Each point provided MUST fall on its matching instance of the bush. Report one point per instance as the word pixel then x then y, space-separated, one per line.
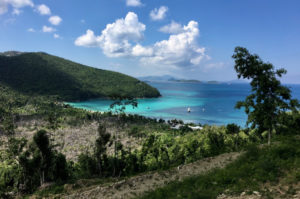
pixel 232 129
pixel 256 166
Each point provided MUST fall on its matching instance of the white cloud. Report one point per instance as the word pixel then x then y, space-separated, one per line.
pixel 15 4
pixel 56 36
pixel 48 29
pixel 159 14
pixel 55 20
pixel 30 30
pixel 43 9
pixel 134 3
pixel 117 37
pixel 139 50
pixel 88 40
pixel 172 28
pixel 123 37
pixel 179 50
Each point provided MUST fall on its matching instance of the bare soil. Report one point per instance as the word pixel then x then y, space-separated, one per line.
pixel 74 140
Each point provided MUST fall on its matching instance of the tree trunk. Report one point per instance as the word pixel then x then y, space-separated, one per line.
pixel 269 137
pixel 115 155
pixel 100 167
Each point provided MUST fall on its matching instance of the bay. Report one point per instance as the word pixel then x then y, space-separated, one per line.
pixel 211 104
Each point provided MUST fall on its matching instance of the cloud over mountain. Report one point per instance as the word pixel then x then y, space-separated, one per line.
pixel 124 37
pixel 117 37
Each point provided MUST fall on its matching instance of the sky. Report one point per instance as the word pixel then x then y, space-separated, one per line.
pixel 191 39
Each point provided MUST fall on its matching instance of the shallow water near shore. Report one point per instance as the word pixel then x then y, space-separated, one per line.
pixel 209 103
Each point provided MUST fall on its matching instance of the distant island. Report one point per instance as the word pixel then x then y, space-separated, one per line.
pixel 213 82
pixel 169 78
pixel 39 73
pixel 184 80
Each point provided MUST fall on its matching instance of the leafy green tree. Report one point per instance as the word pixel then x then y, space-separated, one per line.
pixel 7 124
pixel 120 103
pixel 44 153
pixel 101 146
pixel 232 129
pixel 119 107
pixel 268 99
pixel 86 166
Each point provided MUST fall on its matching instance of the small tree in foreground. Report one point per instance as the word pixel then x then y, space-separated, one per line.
pixel 269 99
pixel 101 146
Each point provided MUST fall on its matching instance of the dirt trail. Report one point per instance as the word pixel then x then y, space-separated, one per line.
pixel 140 184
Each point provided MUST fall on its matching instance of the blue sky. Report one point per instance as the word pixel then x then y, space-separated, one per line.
pixel 184 38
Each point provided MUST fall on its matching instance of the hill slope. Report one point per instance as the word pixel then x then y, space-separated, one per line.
pixel 44 74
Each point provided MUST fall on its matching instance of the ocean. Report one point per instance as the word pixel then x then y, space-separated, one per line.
pixel 211 104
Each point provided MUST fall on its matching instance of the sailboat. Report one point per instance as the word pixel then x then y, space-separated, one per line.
pixel 189 110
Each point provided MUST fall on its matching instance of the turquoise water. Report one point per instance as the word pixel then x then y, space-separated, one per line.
pixel 209 103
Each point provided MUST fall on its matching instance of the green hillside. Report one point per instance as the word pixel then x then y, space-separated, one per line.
pixel 44 74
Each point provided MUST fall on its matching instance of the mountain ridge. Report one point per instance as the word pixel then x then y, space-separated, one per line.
pixel 39 73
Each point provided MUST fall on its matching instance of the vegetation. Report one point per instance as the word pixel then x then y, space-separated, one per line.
pixel 36 163
pixel 160 150
pixel 24 167
pixel 256 167
pixel 44 74
pixel 269 100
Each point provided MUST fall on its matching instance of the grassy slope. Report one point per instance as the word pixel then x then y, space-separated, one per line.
pixel 44 74
pixel 252 172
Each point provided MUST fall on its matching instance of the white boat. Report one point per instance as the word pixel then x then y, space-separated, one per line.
pixel 189 109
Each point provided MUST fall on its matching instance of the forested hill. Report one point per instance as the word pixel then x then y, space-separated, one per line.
pixel 44 74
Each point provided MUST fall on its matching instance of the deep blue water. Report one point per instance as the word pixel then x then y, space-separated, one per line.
pixel 209 103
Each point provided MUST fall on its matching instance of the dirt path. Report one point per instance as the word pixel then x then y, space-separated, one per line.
pixel 140 184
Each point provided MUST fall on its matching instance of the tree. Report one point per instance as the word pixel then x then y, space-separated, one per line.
pixel 44 152
pixel 101 146
pixel 232 129
pixel 120 103
pixel 119 107
pixel 268 99
pixel 7 124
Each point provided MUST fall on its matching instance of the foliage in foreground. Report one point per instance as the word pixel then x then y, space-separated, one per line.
pixel 248 173
pixel 269 101
pixel 24 167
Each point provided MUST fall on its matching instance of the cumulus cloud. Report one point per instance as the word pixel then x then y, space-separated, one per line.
pixel 55 20
pixel 134 3
pixel 117 37
pixel 15 4
pixel 159 14
pixel 180 49
pixel 123 37
pixel 139 50
pixel 48 29
pixel 88 40
pixel 172 28
pixel 43 9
